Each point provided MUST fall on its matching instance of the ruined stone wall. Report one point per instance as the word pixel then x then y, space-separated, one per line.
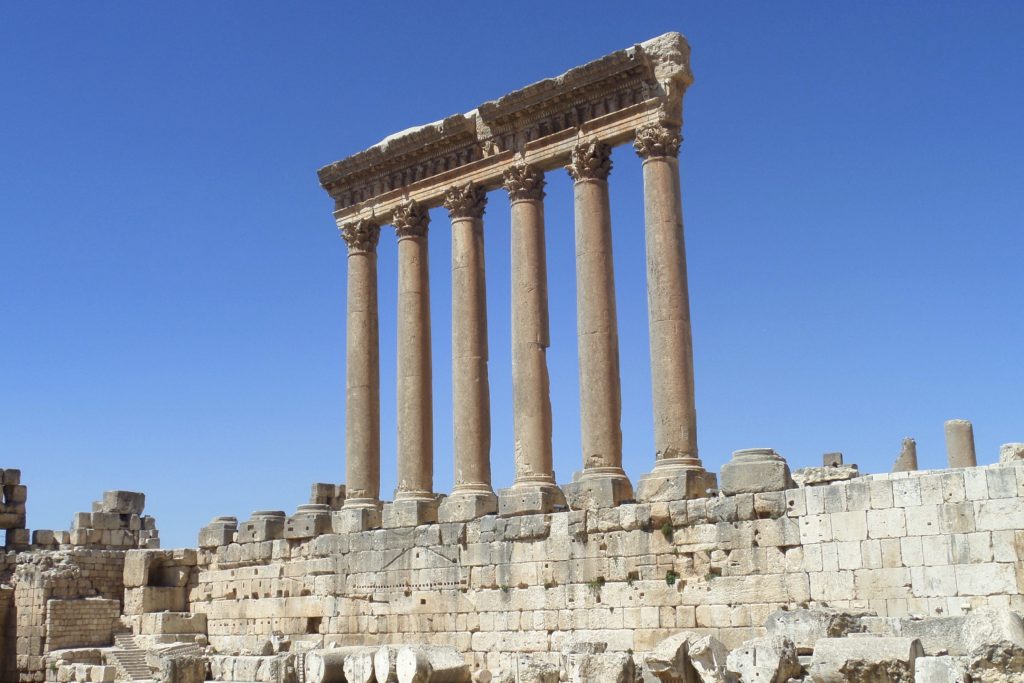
pixel 45 575
pixel 932 543
pixel 80 623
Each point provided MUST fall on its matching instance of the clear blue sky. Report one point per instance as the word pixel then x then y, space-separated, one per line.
pixel 172 286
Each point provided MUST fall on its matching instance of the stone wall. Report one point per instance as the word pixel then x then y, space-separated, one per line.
pixel 932 543
pixel 81 623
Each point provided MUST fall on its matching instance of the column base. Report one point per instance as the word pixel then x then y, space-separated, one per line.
pixel 463 506
pixel 409 512
pixel 590 491
pixel 666 484
pixel 529 499
pixel 350 520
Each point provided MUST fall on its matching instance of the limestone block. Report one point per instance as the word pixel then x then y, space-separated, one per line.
pixel 18 538
pixel 107 520
pixel 15 494
pixel 594 493
pixel 431 664
pixel 264 525
pixel 755 470
pixel 709 659
pixel 220 531
pixel 668 661
pixel 529 500
pixel 1011 454
pixel 961 635
pixel 672 484
pixel 43 537
pixel 864 659
pixel 182 669
pixel 358 666
pixel 806 626
pixel 466 506
pixel 771 659
pixel 355 520
pixel 309 520
pixel 177 623
pixel 821 476
pixel 943 669
pixel 384 662
pixel 10 477
pixel 154 599
pixel 606 667
pixel 102 674
pixel 409 513
pixel 123 502
pixel 138 564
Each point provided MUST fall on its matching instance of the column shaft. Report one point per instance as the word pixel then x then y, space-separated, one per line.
pixel 600 392
pixel 472 495
pixel 362 369
pixel 414 399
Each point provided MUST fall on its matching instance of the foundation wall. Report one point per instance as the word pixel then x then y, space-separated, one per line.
pixel 931 543
pixel 81 623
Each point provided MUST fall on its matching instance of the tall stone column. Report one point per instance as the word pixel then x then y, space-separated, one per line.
pixel 602 482
pixel 415 502
pixel 534 489
pixel 362 380
pixel 960 443
pixel 678 473
pixel 472 495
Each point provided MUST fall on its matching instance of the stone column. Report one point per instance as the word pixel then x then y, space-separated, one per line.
pixel 472 495
pixel 602 482
pixel 415 502
pixel 362 380
pixel 907 460
pixel 534 490
pixel 960 443
pixel 678 473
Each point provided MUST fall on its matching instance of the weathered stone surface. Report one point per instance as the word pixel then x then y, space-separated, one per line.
pixel 430 664
pixel 596 492
pixel 182 669
pixel 668 484
pixel 1001 662
pixel 944 669
pixel 385 660
pixel 818 476
pixel 958 635
pixel 865 659
pixel 755 470
pixel 771 659
pixel 1011 453
pixel 709 659
pixel 607 667
pixel 123 502
pixel 806 626
pixel 907 460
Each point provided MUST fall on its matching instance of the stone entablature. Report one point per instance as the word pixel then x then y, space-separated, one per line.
pixel 606 99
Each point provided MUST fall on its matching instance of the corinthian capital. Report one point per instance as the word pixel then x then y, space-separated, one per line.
pixel 657 140
pixel 591 160
pixel 465 201
pixel 361 236
pixel 411 220
pixel 524 182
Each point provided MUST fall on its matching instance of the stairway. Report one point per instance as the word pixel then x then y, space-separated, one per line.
pixel 129 659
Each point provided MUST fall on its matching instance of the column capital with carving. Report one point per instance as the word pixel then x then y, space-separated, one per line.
pixel 657 140
pixel 465 201
pixel 524 183
pixel 411 220
pixel 361 236
pixel 590 160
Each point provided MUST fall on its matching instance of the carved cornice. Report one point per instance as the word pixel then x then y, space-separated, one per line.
pixel 465 201
pixel 361 236
pixel 649 78
pixel 524 182
pixel 657 140
pixel 411 220
pixel 591 160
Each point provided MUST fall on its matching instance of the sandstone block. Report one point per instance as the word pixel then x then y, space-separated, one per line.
pixel 755 470
pixel 864 659
pixel 771 659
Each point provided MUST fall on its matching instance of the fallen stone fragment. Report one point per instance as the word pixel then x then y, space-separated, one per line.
pixel 945 669
pixel 806 626
pixel 907 460
pixel 957 636
pixel 865 659
pixel 358 666
pixel 1011 453
pixel 609 667
pixel 1001 662
pixel 431 664
pixel 819 476
pixel 384 664
pixel 771 659
pixel 708 657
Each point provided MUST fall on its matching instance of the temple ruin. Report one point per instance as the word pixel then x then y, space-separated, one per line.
pixel 760 573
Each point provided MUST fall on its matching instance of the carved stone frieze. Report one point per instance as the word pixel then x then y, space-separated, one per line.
pixel 465 201
pixel 361 236
pixel 524 182
pixel 591 160
pixel 657 140
pixel 411 220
